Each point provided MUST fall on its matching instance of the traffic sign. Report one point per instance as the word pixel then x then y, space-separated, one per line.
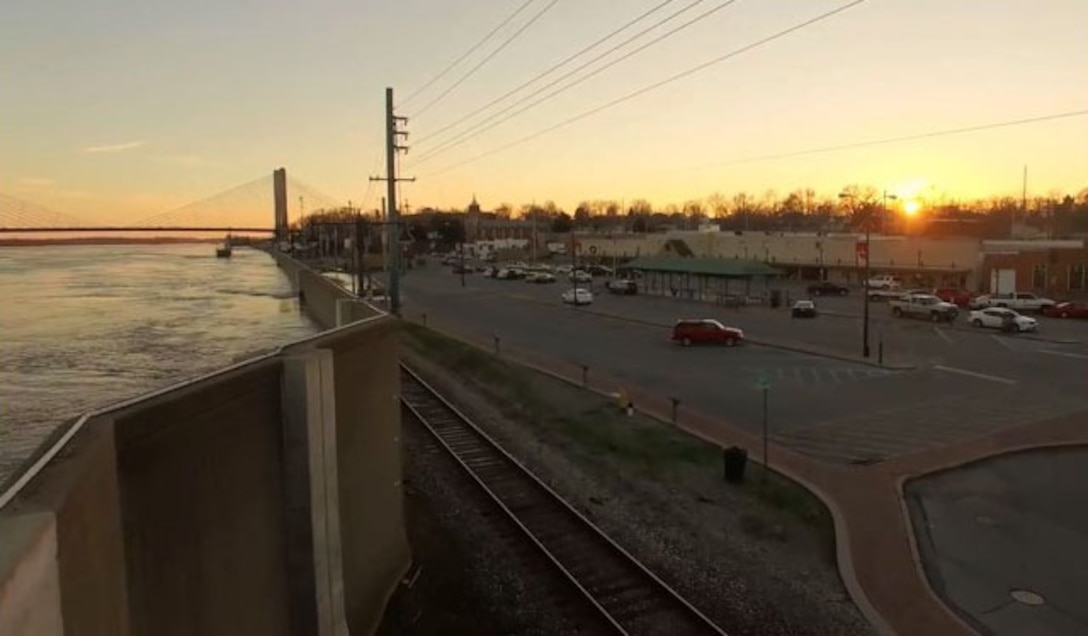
pixel 764 381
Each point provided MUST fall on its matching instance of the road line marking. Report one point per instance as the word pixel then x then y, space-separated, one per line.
pixel 834 375
pixel 974 374
pixel 940 332
pixel 1066 354
pixel 1001 341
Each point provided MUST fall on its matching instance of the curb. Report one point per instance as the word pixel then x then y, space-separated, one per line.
pixel 843 554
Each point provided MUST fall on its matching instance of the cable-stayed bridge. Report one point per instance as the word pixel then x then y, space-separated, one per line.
pixel 266 205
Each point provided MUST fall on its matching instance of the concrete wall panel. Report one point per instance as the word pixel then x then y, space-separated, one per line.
pixel 200 474
pixel 29 576
pixel 375 546
pixel 80 488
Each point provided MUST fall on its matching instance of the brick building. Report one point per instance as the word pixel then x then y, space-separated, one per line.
pixel 489 226
pixel 1059 270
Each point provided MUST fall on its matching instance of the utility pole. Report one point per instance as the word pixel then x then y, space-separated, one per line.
pixel 360 256
pixel 392 135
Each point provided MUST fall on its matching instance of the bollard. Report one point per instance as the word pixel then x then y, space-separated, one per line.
pixel 424 319
pixel 585 375
pixel 675 408
pixel 497 349
pixel 880 352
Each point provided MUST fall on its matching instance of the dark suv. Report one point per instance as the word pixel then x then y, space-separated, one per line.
pixel 827 288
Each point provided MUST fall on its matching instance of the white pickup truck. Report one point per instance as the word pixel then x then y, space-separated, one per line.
pixel 925 306
pixel 1020 301
pixel 884 281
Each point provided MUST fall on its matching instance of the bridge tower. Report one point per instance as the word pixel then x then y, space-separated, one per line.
pixel 279 195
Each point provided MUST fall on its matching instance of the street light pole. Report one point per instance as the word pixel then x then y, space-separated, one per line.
pixel 884 212
pixel 867 220
pixel 865 319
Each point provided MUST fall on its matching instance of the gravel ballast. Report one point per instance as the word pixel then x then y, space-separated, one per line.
pixel 756 562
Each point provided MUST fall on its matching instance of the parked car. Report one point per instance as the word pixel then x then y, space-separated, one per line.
pixel 1068 309
pixel 705 331
pixel 884 281
pixel 955 295
pixel 539 277
pixel 577 296
pixel 1020 301
pixel 509 273
pixel 925 306
pixel 580 276
pixel 623 286
pixel 803 309
pixel 827 288
pixel 1004 319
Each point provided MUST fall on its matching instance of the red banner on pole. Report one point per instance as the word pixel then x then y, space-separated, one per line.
pixel 861 250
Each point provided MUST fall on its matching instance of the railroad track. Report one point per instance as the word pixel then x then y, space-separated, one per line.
pixel 630 597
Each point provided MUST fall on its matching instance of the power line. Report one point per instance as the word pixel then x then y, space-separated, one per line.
pixel 656 85
pixel 369 183
pixel 466 53
pixel 486 59
pixel 892 140
pixel 484 125
pixel 564 62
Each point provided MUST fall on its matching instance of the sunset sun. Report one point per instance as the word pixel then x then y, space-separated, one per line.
pixel 911 207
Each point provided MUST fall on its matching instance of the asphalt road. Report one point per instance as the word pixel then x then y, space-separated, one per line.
pixel 1006 524
pixel 965 383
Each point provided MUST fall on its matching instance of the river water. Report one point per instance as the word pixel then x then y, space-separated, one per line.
pixel 84 326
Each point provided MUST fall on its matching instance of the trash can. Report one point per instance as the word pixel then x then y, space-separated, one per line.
pixel 734 460
pixel 776 298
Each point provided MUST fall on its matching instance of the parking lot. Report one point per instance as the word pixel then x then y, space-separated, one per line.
pixel 942 383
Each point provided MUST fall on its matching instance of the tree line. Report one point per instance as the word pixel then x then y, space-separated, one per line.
pixel 1058 213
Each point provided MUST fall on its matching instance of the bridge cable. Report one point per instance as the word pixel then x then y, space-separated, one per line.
pixel 646 89
pixel 488 58
pixel 158 218
pixel 484 125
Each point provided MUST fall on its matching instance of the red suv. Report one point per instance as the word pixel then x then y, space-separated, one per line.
pixel 954 295
pixel 705 330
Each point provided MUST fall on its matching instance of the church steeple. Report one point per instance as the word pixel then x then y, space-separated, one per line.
pixel 474 207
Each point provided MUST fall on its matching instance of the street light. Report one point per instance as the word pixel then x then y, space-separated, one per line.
pixel 865 288
pixel 884 213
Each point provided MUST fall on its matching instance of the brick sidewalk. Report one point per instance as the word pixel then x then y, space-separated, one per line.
pixel 875 546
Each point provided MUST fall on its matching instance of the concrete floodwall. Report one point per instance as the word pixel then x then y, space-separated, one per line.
pixel 261 499
pixel 326 302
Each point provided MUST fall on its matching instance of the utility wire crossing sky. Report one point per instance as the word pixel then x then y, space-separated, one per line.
pixel 115 113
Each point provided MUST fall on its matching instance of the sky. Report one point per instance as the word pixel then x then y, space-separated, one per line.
pixel 118 110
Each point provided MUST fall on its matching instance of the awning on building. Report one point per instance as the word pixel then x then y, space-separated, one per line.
pixel 717 267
